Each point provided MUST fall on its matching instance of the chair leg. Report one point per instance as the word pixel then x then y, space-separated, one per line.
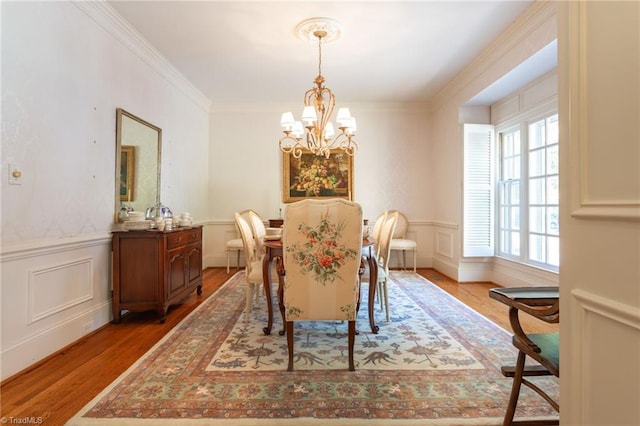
pixel 352 342
pixel 404 260
pixel 385 290
pixel 228 259
pixel 414 260
pixel 248 299
pixel 515 389
pixel 289 326
pixel 237 259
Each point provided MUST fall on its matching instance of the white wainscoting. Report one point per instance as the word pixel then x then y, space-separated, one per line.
pixel 513 274
pixel 604 331
pixel 218 232
pixel 505 273
pixel 56 288
pixel 446 250
pixel 53 293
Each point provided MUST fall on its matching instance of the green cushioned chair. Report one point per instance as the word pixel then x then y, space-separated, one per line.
pixel 542 303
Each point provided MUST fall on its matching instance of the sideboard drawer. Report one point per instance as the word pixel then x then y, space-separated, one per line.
pixel 183 237
pixel 194 235
pixel 176 239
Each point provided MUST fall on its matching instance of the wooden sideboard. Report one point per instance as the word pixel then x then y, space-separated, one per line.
pixel 153 270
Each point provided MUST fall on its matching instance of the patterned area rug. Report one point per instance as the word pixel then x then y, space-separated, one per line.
pixel 412 340
pixel 435 362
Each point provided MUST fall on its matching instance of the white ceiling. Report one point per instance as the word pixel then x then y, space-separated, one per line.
pixel 247 52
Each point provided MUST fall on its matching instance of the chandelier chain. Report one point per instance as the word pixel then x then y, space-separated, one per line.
pixel 319 55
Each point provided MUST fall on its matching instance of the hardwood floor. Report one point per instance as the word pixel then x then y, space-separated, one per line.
pixel 59 386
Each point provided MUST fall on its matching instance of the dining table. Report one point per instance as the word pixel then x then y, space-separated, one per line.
pixel 273 250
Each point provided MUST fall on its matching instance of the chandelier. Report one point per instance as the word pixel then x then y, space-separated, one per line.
pixel 318 135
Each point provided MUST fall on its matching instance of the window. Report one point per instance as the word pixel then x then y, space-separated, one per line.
pixel 527 196
pixel 525 183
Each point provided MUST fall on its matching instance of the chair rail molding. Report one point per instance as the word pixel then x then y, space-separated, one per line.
pixel 14 252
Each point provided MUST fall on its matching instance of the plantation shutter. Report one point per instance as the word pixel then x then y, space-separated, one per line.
pixel 478 208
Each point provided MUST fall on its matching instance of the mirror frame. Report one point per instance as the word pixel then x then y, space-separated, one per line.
pixel 120 113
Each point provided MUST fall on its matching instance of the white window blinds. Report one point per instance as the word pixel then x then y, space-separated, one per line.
pixel 478 188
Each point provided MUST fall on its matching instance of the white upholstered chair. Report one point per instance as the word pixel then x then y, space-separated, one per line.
pixel 254 262
pixel 320 275
pixel 375 236
pixel 383 253
pixel 377 226
pixel 235 244
pixel 400 243
pixel 259 231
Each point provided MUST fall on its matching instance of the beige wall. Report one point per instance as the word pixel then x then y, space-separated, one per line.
pixel 66 67
pixel 391 168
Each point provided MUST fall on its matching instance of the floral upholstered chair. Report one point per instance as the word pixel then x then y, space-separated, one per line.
pixel 320 270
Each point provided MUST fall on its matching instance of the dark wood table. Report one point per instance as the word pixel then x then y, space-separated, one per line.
pixel 274 250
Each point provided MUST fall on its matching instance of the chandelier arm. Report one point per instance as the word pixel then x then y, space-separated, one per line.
pixel 313 142
pixel 344 142
pixel 326 109
pixel 290 144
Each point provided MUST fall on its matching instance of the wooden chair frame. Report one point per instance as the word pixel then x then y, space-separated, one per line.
pixel 544 304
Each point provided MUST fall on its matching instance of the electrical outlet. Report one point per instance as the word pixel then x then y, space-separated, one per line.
pixel 15 175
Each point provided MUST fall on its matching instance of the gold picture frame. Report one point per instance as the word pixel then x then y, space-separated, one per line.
pixel 314 176
pixel 127 173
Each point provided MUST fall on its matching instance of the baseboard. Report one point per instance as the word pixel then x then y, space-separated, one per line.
pixel 38 347
pixel 447 268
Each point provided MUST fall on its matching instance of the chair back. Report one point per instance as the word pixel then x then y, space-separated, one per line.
pixel 248 241
pixel 384 242
pixel 402 227
pixel 322 241
pixel 259 231
pixel 377 226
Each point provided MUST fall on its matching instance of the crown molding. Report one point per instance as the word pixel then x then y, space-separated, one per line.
pixel 535 17
pixel 107 18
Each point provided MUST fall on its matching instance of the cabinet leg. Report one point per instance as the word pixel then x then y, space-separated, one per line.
pixel 163 314
pixel 199 290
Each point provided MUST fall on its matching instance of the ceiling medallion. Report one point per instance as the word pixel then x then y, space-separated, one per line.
pixel 306 30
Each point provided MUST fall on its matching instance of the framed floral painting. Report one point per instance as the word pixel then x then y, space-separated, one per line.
pixel 313 176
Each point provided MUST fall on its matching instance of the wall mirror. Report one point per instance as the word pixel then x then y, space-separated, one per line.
pixel 138 153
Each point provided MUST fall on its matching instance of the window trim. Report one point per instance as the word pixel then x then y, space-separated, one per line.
pixel 521 122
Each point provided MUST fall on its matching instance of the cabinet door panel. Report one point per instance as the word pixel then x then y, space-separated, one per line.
pixel 194 257
pixel 141 278
pixel 177 272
